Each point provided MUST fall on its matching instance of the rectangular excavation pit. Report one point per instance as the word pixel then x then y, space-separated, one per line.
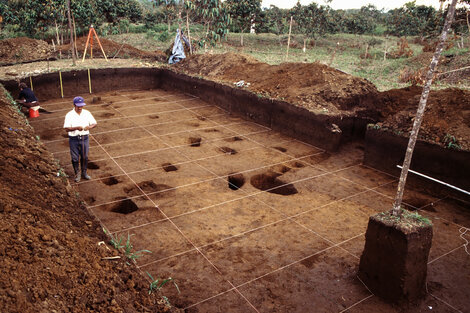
pixel 248 238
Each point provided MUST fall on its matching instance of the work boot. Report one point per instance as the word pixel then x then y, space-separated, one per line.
pixel 86 176
pixel 76 170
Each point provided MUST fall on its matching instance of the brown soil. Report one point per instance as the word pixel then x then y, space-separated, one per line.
pixel 447 114
pixel 328 91
pixel 23 49
pixel 113 50
pixel 312 85
pixel 51 257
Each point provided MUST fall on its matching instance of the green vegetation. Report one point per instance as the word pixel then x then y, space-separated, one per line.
pixel 157 284
pixel 118 244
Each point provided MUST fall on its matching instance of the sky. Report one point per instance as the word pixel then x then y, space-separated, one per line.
pixel 350 4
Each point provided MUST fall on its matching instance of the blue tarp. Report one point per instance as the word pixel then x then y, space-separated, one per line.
pixel 177 54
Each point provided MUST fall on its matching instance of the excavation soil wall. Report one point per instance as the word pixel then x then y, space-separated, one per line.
pixel 384 151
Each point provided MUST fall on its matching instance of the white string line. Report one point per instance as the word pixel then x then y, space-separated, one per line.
pixel 235 199
pixel 123 116
pixel 162 167
pixel 190 184
pixel 126 101
pixel 270 273
pixel 164 149
pixel 261 227
pixel 462 232
pixel 295 221
pixel 358 302
pixel 282 213
pixel 68 102
pixel 152 136
pixel 446 303
pixel 134 127
pixel 451 251
pixel 181 232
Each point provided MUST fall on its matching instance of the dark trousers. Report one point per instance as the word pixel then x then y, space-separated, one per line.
pixel 79 146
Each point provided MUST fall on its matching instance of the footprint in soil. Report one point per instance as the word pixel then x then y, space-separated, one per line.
pixel 235 181
pixel 168 167
pixel 201 118
pixel 195 141
pixel 296 164
pixel 93 166
pixel 211 130
pixel 232 139
pixel 269 182
pixel 154 117
pixel 227 150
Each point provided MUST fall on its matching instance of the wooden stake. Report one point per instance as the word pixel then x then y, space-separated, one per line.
pixel 189 35
pixel 61 87
pixel 71 33
pixel 89 80
pixel 98 39
pixel 288 38
pixel 31 82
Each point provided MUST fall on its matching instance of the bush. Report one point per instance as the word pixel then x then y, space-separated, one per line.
pixel 164 36
pixel 150 34
pixel 137 29
pixel 11 31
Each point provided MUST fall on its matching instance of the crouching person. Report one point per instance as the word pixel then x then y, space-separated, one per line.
pixel 78 123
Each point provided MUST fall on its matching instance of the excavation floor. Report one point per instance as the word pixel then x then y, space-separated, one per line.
pixel 243 218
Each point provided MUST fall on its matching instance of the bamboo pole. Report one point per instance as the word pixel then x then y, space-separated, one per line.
pixel 31 82
pixel 86 45
pixel 288 38
pixel 421 109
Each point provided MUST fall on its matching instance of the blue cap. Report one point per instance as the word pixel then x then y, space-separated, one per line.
pixel 79 101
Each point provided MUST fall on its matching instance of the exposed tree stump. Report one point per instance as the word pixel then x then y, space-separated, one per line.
pixel 394 261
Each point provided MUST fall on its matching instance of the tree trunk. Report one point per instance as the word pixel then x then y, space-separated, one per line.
pixel 71 33
pixel 288 38
pixel 241 40
pixel 421 109
pixel 305 45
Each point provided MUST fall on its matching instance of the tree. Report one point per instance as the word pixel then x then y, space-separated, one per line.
pixel 213 15
pixel 312 20
pixel 421 109
pixel 244 13
pixel 272 20
pixel 412 20
pixel 171 8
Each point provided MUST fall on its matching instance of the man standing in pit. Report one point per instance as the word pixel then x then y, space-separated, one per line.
pixel 77 123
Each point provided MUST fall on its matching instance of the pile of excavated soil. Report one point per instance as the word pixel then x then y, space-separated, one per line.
pixel 447 114
pixel 113 50
pixel 325 90
pixel 51 259
pixel 23 49
pixel 311 85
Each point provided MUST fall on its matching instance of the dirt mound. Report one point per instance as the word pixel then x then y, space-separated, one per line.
pixel 23 49
pixel 113 49
pixel 51 260
pixel 447 117
pixel 312 85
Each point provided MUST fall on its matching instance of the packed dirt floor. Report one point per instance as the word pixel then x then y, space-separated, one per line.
pixel 245 219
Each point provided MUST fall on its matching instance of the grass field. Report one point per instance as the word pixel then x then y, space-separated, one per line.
pixel 341 51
